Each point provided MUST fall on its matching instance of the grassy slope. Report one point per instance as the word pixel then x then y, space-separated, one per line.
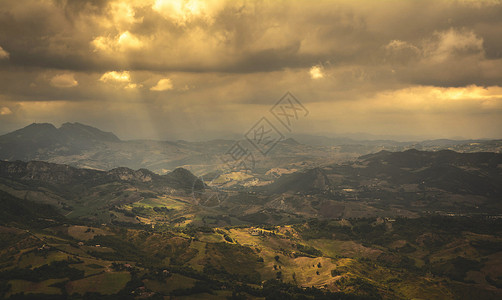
pixel 295 254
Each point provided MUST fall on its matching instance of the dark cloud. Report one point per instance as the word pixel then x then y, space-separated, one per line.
pixel 236 37
pixel 233 56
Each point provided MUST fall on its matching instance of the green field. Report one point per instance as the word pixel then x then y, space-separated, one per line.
pixel 27 287
pixel 106 284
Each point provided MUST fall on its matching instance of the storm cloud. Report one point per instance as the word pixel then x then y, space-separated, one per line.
pixel 187 68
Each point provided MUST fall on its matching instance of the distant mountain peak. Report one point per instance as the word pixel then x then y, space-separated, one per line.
pixel 310 180
pixel 40 125
pixel 67 130
pixel 40 141
pixel 81 131
pixel 34 131
pixel 184 178
pixel 181 171
pixel 291 141
pixel 34 127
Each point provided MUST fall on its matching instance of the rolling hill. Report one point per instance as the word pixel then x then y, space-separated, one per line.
pixel 389 225
pixel 84 146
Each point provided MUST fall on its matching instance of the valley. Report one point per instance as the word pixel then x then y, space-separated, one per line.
pixel 386 225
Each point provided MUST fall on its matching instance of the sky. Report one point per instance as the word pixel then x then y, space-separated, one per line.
pixel 192 69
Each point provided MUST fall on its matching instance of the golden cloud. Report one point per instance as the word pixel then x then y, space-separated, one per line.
pixel 164 84
pixel 3 54
pixel 316 72
pixel 5 111
pixel 64 80
pixel 114 76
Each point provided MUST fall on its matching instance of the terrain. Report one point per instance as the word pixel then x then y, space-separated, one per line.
pixel 84 146
pixel 435 257
pixel 407 224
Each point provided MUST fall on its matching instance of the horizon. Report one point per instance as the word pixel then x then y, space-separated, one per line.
pixel 356 137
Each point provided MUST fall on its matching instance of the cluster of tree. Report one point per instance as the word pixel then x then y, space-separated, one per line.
pixel 206 286
pixel 56 269
pixel 276 289
pixel 124 250
pixel 125 212
pixel 222 274
pixel 306 250
pixel 142 211
pixel 363 286
pixel 27 214
pixel 456 268
pixel 161 210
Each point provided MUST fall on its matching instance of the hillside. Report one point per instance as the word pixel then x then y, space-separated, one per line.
pixel 341 231
pixel 89 193
pixel 27 214
pixel 395 183
pixel 385 184
pixel 84 146
pixel 438 257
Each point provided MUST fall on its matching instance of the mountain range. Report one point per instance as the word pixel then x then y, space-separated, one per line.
pixel 84 146
pixel 84 217
pixel 409 183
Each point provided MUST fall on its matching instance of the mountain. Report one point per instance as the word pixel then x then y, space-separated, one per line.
pixel 365 144
pixel 61 175
pixel 24 142
pixel 393 183
pixel 381 184
pixel 462 173
pixel 309 181
pixel 84 133
pixel 86 193
pixel 416 159
pixel 290 141
pixel 84 146
pixel 43 141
